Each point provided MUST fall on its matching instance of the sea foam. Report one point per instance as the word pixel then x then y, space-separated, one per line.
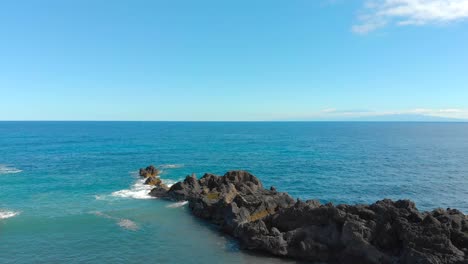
pixel 7 214
pixel 122 222
pixel 128 224
pixel 171 166
pixel 139 190
pixel 5 169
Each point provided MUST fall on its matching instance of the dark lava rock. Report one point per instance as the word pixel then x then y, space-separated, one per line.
pixel 159 191
pixel 149 171
pixel 153 180
pixel 272 222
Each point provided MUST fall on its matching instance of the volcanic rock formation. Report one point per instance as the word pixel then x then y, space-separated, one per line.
pixel 273 222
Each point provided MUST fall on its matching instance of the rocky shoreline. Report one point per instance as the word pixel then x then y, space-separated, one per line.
pixel 273 222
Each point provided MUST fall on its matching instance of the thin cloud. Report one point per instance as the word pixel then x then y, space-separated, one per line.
pixel 379 13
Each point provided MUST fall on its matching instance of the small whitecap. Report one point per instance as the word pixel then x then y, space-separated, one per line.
pixel 99 197
pixel 171 166
pixel 128 224
pixel 5 169
pixel 122 222
pixel 7 214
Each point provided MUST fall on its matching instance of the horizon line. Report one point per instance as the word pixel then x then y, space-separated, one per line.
pixel 253 121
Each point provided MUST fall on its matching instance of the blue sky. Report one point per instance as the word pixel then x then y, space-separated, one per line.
pixel 232 60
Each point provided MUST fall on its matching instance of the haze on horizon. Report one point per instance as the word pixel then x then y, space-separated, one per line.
pixel 238 60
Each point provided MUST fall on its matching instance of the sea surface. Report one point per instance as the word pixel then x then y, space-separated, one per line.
pixel 69 192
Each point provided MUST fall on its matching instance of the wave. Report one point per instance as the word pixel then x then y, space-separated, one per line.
pixel 5 169
pixel 177 205
pixel 122 222
pixel 8 214
pixel 139 190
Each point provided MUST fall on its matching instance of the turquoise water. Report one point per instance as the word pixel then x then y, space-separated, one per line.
pixel 69 192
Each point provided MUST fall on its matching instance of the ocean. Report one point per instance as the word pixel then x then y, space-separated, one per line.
pixel 69 191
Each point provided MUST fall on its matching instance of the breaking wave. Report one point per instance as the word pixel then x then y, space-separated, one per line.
pixel 139 190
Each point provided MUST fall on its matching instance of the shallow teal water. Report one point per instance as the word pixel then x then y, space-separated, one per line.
pixel 77 199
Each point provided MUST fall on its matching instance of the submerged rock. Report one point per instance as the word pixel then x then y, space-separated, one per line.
pixel 272 222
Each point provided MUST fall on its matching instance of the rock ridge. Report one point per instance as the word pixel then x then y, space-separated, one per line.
pixel 273 222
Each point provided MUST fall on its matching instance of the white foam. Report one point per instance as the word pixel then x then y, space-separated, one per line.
pixel 122 222
pixel 7 214
pixel 177 205
pixel 127 224
pixel 139 190
pixel 171 166
pixel 100 197
pixel 5 169
pixel 99 213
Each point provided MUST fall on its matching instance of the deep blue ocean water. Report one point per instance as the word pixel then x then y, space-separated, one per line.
pixel 69 192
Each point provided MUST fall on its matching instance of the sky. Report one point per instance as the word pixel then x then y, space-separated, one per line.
pixel 210 60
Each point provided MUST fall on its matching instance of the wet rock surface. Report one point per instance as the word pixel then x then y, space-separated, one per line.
pixel 273 222
pixel 149 171
pixel 151 174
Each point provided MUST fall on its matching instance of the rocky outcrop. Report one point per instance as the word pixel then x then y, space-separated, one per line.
pixel 272 222
pixel 384 232
pixel 149 171
pixel 151 174
pixel 236 198
pixel 159 191
pixel 155 181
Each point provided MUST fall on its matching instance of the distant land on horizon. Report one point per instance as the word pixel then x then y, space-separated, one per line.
pixel 392 118
pixel 409 118
pixel 375 118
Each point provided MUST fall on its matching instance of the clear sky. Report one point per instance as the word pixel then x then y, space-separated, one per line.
pixel 232 59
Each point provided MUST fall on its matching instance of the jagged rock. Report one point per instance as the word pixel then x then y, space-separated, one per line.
pixel 153 181
pixel 159 191
pixel 149 171
pixel 271 221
